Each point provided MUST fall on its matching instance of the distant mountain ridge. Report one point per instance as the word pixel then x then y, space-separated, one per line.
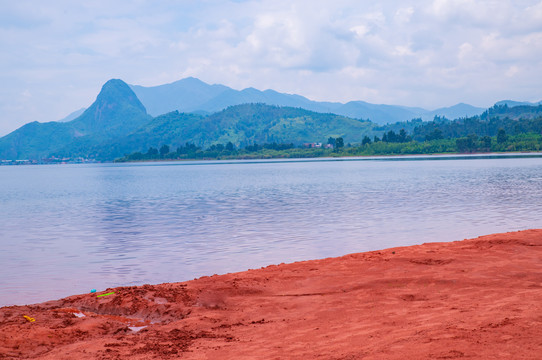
pixel 187 94
pixel 73 115
pixel 512 103
pixel 193 95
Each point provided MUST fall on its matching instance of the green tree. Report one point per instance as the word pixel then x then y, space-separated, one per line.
pixel 467 144
pixel 152 152
pixel 216 147
pixel 393 137
pixel 366 140
pixel 339 143
pixel 501 136
pixel 402 136
pixel 254 147
pixel 164 150
pixel 136 156
pixel 230 146
pixel 384 137
pixel 436 134
pixel 486 141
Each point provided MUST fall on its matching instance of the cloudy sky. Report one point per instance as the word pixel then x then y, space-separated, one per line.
pixel 55 55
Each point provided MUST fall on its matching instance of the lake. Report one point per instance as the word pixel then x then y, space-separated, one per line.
pixel 66 229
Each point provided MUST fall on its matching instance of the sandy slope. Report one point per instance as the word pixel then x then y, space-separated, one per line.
pixel 478 298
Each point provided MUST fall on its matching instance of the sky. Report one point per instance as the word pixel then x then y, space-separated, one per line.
pixel 55 55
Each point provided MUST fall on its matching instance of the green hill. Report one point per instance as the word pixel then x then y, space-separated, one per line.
pixel 116 112
pixel 35 140
pixel 244 125
pixel 513 120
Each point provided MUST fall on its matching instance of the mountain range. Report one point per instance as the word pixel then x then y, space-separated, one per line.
pixel 117 123
pixel 129 118
pixel 193 95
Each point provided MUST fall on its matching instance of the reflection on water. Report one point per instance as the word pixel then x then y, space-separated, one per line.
pixel 68 229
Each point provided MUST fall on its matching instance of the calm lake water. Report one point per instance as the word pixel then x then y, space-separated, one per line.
pixel 66 229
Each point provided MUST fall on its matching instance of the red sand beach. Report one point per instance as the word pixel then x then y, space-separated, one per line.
pixel 479 298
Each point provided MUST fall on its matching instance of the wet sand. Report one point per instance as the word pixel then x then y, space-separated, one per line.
pixel 479 298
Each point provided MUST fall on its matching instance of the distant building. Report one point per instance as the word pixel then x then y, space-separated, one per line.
pixel 312 145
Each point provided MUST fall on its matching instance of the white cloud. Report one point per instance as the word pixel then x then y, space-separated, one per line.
pixel 360 30
pixel 404 15
pixel 465 51
pixel 427 53
pixel 512 71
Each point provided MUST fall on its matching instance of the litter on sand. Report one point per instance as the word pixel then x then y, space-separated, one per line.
pixel 31 319
pixel 111 293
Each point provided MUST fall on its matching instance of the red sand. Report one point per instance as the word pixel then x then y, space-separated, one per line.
pixel 478 298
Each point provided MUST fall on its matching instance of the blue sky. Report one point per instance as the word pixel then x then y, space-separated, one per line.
pixel 55 55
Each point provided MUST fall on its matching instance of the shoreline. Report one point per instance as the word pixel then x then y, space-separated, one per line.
pixel 476 298
pixel 473 155
pixel 482 155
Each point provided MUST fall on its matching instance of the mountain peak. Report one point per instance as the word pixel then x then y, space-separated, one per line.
pixel 193 80
pixel 115 91
pixel 186 95
pixel 116 107
pixel 114 82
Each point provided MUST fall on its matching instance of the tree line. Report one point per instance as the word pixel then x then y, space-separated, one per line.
pixel 399 145
pixel 228 150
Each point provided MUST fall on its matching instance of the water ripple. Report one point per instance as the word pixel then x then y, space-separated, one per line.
pixel 68 229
